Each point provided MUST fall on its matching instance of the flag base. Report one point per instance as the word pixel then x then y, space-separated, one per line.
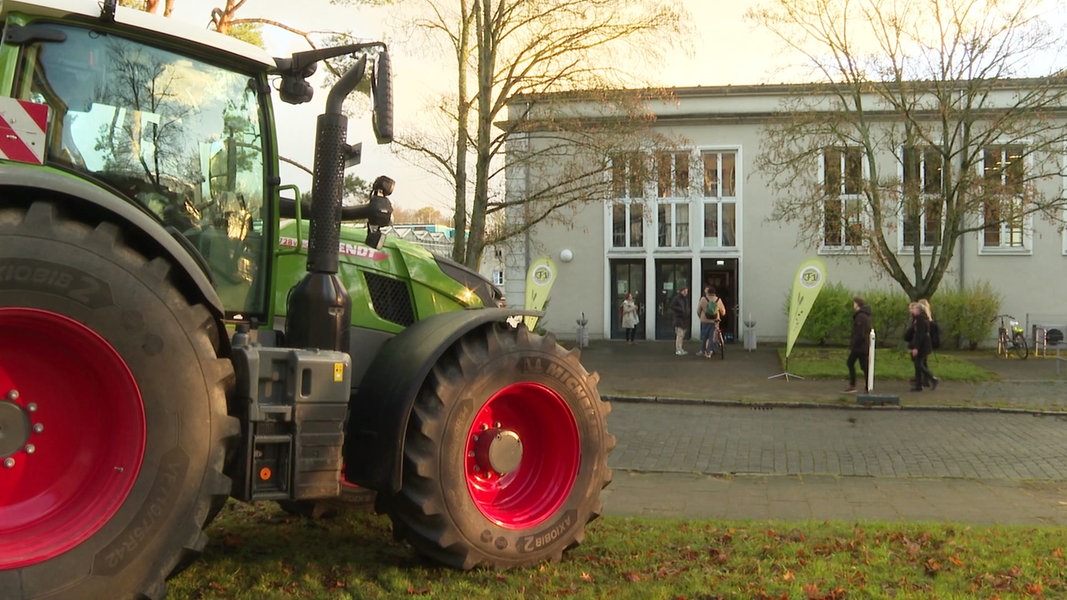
pixel 877 400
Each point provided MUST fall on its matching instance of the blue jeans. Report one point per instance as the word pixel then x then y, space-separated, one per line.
pixel 708 339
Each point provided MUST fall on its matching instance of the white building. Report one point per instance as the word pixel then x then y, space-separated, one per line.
pixel 706 216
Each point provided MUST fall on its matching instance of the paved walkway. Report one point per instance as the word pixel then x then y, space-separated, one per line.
pixel 726 439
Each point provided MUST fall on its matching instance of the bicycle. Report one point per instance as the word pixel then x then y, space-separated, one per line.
pixel 1011 341
pixel 718 340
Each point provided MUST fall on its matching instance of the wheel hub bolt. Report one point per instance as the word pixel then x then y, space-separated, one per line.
pixel 9 462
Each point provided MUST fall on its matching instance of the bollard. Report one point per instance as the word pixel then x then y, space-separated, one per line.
pixel 583 333
pixel 870 399
pixel 750 334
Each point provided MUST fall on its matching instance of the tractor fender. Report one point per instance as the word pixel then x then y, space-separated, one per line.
pixel 21 181
pixel 379 410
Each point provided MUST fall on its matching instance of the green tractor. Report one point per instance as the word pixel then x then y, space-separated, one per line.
pixel 176 329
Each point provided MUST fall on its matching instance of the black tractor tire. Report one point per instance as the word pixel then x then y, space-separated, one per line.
pixel 505 453
pixel 113 388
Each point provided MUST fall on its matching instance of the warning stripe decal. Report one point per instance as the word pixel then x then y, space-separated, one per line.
pixel 22 130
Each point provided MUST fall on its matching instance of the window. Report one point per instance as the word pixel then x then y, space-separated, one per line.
pixel 672 174
pixel 498 277
pixel 922 203
pixel 1004 173
pixel 627 225
pixel 673 220
pixel 182 137
pixel 720 198
pixel 628 174
pixel 843 206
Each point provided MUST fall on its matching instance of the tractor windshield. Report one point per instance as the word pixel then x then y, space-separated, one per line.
pixel 177 135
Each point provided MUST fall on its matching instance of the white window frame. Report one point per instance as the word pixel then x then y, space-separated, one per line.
pixel 629 186
pixel 925 222
pixel 844 198
pixel 670 231
pixel 678 181
pixel 719 198
pixel 629 221
pixel 1025 228
pixel 1063 196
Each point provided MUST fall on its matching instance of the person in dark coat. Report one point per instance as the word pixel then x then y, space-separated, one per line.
pixel 680 311
pixel 860 344
pixel 921 347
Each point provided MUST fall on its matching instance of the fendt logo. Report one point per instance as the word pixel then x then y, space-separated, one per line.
pixel 22 130
pixel 343 248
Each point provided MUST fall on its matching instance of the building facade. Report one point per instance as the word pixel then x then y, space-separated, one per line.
pixel 703 213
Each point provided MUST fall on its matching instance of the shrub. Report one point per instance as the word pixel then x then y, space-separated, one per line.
pixel 889 315
pixel 966 315
pixel 830 318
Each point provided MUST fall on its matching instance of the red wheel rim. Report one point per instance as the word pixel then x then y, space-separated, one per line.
pixel 72 434
pixel 522 455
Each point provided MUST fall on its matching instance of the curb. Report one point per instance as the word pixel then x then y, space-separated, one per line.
pixel 816 405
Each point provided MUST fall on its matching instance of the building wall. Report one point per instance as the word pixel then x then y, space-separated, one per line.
pixel 762 266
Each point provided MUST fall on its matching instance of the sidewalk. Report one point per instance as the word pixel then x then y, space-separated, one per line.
pixel 650 372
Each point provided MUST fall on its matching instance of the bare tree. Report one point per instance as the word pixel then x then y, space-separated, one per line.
pixel 523 50
pixel 929 124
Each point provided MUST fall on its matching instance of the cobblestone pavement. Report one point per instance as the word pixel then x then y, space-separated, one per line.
pixel 711 439
pixel 726 440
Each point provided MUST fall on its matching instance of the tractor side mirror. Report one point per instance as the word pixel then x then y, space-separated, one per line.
pixel 381 86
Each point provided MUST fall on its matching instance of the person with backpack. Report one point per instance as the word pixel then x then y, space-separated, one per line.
pixel 710 311
pixel 921 346
pixel 935 331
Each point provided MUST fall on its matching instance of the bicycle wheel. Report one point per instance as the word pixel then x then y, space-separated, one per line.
pixel 722 344
pixel 1003 343
pixel 1018 346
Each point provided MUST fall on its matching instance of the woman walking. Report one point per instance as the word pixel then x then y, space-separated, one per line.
pixel 921 347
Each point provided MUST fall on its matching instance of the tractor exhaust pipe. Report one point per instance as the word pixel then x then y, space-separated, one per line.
pixel 320 308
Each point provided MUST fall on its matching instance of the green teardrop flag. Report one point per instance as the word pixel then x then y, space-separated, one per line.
pixel 811 274
pixel 539 280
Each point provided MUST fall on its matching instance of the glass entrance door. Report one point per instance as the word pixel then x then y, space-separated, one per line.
pixel 627 276
pixel 671 276
pixel 722 274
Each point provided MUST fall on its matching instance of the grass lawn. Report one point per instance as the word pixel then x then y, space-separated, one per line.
pixel 258 552
pixel 889 363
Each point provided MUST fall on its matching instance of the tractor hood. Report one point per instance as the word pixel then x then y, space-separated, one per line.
pixel 391 287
